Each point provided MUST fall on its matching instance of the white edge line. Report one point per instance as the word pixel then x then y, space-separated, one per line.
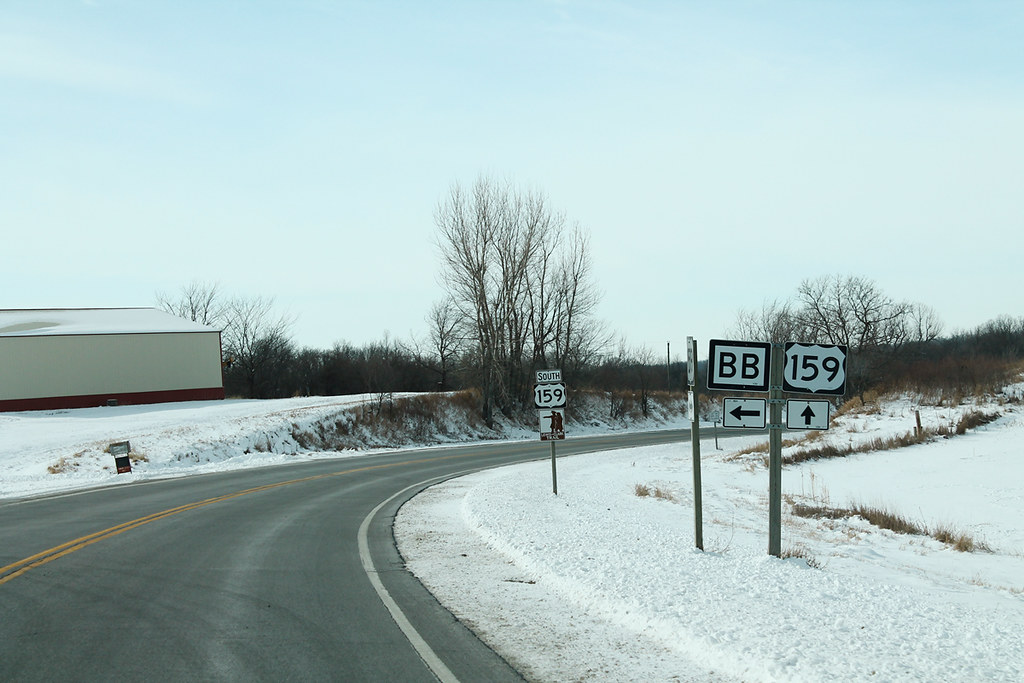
pixel 425 652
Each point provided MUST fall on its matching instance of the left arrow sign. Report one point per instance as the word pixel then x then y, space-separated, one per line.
pixel 745 413
pixel 739 413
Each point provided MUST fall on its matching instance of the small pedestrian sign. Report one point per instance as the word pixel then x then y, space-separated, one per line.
pixel 552 424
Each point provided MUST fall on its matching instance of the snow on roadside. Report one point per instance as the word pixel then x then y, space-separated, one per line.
pixel 56 450
pixel 614 580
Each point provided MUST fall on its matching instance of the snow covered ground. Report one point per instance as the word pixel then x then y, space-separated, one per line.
pixel 601 584
pixel 56 450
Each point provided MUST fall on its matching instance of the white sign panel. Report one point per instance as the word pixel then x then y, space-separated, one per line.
pixel 745 413
pixel 815 369
pixel 552 424
pixel 691 361
pixel 807 414
pixel 548 376
pixel 549 395
pixel 739 365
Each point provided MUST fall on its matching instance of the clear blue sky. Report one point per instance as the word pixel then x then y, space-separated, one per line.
pixel 719 153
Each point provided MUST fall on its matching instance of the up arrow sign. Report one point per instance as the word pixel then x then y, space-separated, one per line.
pixel 807 414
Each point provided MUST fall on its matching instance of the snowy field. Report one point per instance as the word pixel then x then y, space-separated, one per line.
pixel 600 584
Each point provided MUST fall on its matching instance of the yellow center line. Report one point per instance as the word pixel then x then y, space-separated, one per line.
pixel 20 567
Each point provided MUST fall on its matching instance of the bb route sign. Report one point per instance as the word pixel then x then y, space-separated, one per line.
pixel 739 365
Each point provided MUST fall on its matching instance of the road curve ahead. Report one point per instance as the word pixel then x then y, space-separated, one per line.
pixel 281 573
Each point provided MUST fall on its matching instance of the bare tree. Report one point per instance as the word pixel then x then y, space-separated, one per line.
pixel 923 324
pixel 257 342
pixel 852 311
pixel 775 322
pixel 576 336
pixel 445 340
pixel 503 266
pixel 200 302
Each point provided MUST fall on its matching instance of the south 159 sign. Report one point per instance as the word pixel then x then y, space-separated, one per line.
pixel 549 395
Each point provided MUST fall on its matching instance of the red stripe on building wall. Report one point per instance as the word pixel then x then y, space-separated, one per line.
pixel 124 399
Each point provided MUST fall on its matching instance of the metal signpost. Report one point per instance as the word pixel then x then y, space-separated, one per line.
pixel 698 503
pixel 774 368
pixel 549 396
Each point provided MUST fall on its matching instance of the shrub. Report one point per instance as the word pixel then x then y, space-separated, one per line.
pixel 974 418
pixel 645 491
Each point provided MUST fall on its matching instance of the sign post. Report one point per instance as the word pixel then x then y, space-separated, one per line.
pixel 698 503
pixel 549 395
pixel 776 368
pixel 775 402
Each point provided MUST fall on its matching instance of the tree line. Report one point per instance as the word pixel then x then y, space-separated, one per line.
pixel 520 296
pixel 261 360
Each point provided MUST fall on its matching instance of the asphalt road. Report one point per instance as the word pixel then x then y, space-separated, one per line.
pixel 272 574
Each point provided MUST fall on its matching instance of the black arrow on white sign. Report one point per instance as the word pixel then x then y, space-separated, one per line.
pixel 814 414
pixel 807 415
pixel 744 413
pixel 739 413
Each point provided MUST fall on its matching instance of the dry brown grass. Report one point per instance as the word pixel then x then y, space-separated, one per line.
pixel 797 551
pixel 973 419
pixel 645 491
pixel 969 420
pixel 959 540
pixel 887 519
pixel 391 422
pixel 65 464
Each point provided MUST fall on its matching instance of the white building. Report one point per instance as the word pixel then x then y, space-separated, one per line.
pixel 76 358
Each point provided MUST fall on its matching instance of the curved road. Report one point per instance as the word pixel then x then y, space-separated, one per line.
pixel 251 575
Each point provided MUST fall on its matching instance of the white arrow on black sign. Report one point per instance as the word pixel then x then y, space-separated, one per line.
pixel 745 413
